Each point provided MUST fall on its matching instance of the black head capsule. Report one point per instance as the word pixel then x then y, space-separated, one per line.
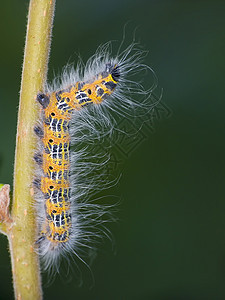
pixel 43 99
pixel 115 73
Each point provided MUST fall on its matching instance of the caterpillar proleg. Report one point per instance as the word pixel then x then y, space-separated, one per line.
pixel 80 107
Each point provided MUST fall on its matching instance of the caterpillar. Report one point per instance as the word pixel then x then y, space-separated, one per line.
pixel 76 109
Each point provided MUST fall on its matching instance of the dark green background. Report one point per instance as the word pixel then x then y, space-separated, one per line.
pixel 170 241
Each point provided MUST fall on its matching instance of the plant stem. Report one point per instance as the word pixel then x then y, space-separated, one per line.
pixel 22 234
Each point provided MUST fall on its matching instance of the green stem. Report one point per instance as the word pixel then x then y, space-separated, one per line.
pixel 22 234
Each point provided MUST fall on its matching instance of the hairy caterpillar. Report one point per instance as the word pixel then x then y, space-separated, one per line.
pixel 78 110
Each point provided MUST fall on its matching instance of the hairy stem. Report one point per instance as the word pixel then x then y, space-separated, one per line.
pixel 22 234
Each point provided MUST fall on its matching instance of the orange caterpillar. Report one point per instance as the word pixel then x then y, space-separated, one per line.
pixel 65 219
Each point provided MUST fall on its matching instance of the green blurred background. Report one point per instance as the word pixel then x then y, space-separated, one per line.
pixel 170 240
